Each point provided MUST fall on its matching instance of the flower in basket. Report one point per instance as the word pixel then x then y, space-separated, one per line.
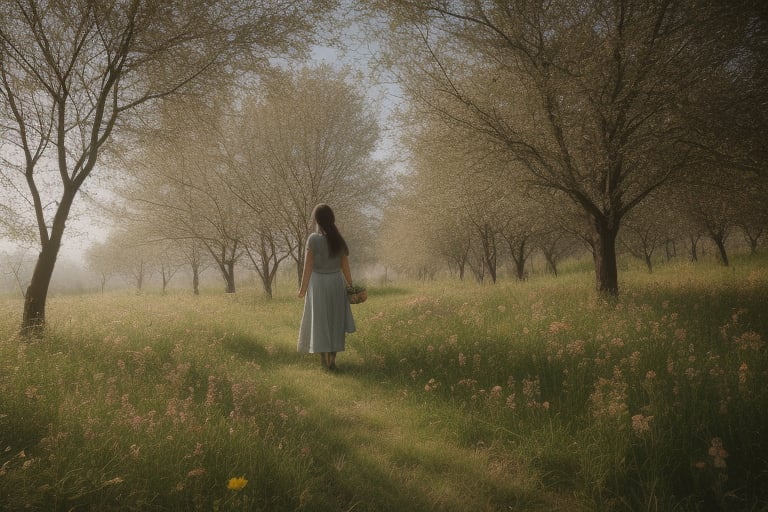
pixel 357 294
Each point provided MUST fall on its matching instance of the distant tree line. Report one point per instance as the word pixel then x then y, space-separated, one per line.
pixel 234 181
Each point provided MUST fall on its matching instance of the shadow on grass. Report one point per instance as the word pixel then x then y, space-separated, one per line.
pixel 370 453
pixel 249 348
pixel 22 425
pixel 708 308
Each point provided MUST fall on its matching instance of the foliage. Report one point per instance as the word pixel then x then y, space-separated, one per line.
pixel 537 396
pixel 240 177
pixel 308 137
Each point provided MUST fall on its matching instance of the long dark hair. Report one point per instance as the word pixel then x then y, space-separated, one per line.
pixel 324 217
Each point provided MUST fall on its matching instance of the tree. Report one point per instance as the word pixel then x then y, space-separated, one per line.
pixel 263 243
pixel 126 254
pixel 752 216
pixel 266 241
pixel 72 72
pixel 461 206
pixel 555 244
pixel 713 206
pixel 588 97
pixel 18 266
pixel 524 230
pixel 562 234
pixel 309 139
pixel 266 257
pixel 208 212
pixel 413 242
pixel 648 227
pixel 169 258
pixel 100 259
pixel 194 253
pixel 179 189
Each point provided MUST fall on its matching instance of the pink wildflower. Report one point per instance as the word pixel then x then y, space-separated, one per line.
pixel 641 424
pixel 557 327
pixel 743 373
pixel 718 453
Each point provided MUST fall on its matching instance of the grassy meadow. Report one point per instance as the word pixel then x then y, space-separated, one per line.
pixel 534 396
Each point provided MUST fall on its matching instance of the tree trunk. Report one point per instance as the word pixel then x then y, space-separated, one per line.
pixel 604 254
pixel 490 262
pixel 519 257
pixel 140 279
pixel 226 266
pixel 752 239
pixel 33 319
pixel 229 276
pixel 694 248
pixel 195 278
pixel 670 249
pixel 551 262
pixel 648 263
pixel 752 246
pixel 265 273
pixel 478 268
pixel 266 265
pixel 488 238
pixel 461 262
pixel 37 292
pixel 266 281
pixel 520 269
pixel 720 243
pixel 520 254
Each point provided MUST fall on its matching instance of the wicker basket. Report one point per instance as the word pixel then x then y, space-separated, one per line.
pixel 357 294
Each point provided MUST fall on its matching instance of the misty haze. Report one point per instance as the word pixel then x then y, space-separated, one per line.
pixel 383 255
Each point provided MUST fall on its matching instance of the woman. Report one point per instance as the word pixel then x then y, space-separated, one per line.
pixel 327 315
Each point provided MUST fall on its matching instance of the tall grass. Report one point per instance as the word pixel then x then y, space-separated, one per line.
pixel 452 396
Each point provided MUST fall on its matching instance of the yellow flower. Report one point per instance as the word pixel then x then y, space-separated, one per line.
pixel 237 483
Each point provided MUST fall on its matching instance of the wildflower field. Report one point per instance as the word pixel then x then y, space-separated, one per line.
pixel 535 396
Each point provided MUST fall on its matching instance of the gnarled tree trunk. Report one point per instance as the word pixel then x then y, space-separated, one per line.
pixel 33 318
pixel 604 254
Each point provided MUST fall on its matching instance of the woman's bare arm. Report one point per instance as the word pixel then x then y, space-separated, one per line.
pixel 309 259
pixel 345 269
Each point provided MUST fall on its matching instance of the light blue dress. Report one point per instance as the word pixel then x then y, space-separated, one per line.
pixel 327 315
